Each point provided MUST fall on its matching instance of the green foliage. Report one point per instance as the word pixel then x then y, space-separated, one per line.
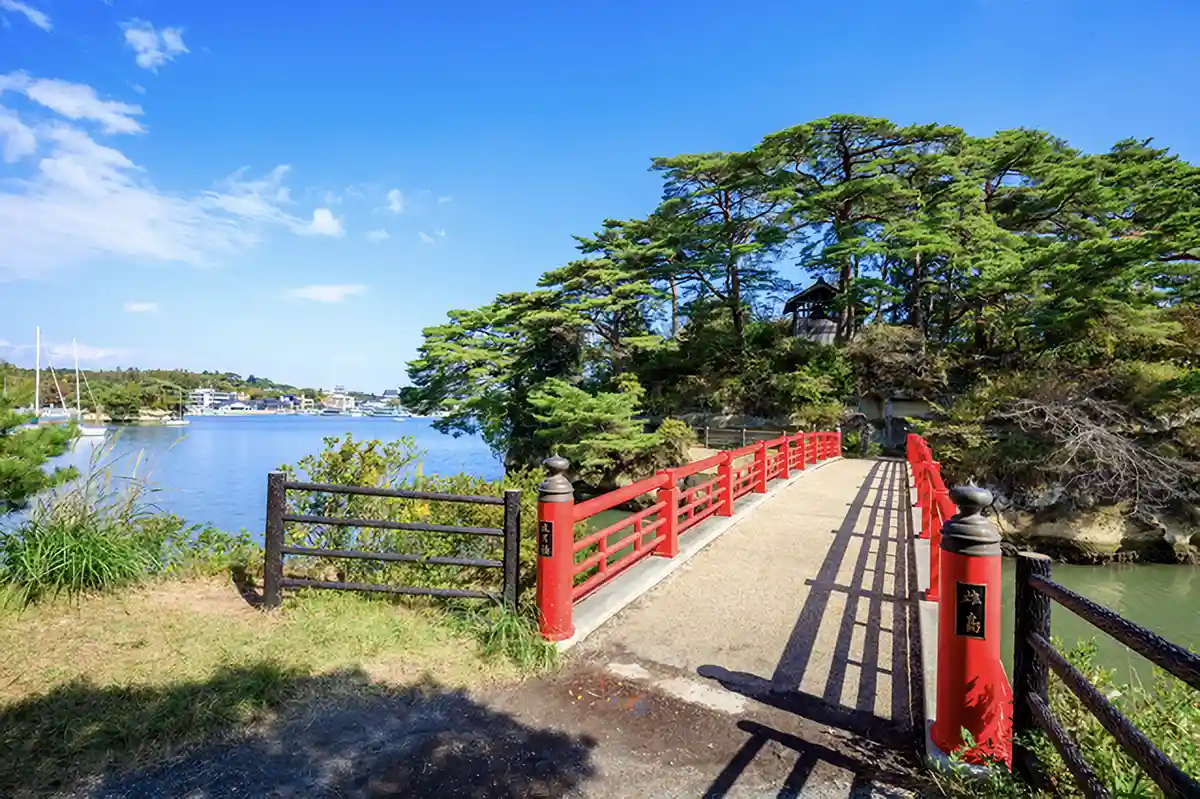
pixel 23 453
pixel 976 273
pixel 67 548
pixel 122 402
pixel 98 532
pixel 396 465
pixel 1165 711
pixel 600 436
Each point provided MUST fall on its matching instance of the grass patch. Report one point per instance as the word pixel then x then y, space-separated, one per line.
pixel 125 679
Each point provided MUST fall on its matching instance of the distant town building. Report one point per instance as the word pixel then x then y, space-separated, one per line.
pixel 338 400
pixel 210 398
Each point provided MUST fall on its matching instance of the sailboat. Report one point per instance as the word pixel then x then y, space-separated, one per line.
pixel 84 430
pixel 177 421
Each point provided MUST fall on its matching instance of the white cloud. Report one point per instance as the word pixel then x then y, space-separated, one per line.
pixel 153 48
pixel 443 199
pixel 84 201
pixel 137 87
pixel 426 238
pixel 75 101
pixel 332 198
pixel 378 235
pixel 440 233
pixel 326 292
pixel 36 17
pixel 395 199
pixel 17 137
pixel 141 307
pixel 324 223
pixel 66 352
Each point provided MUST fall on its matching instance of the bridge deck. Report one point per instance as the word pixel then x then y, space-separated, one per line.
pixel 802 610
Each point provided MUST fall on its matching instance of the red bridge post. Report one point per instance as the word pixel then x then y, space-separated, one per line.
pixel 760 463
pixel 972 689
pixel 668 545
pixel 725 484
pixel 785 454
pixel 556 551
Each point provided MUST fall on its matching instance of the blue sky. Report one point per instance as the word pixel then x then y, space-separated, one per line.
pixel 296 189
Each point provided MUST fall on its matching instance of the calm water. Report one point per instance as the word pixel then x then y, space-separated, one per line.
pixel 215 469
pixel 1164 598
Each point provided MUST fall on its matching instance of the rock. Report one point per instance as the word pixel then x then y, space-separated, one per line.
pixel 1099 534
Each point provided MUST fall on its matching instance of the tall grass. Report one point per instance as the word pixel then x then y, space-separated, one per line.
pixel 85 536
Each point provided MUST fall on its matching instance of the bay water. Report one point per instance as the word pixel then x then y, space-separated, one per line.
pixel 214 470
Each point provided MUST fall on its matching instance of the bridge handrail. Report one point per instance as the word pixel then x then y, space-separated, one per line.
pixel 571 567
pixel 1034 657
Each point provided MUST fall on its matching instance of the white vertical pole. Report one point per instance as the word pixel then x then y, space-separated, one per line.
pixel 78 409
pixel 37 378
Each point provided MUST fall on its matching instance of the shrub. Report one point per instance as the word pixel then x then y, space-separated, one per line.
pixel 72 546
pixel 396 466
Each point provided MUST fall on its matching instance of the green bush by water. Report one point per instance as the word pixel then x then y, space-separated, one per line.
pixel 101 532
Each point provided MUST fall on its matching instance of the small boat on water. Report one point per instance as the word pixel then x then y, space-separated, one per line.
pixel 177 421
pixel 84 430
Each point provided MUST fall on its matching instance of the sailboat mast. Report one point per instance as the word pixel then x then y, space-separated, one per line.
pixel 75 352
pixel 37 375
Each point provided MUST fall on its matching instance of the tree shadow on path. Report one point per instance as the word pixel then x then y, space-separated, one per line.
pixel 335 735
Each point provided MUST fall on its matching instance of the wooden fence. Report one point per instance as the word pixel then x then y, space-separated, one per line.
pixel 735 437
pixel 1034 657
pixel 276 549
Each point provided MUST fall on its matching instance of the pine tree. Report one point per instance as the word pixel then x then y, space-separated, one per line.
pixel 23 452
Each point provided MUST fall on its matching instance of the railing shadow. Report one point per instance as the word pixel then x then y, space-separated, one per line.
pixel 877 518
pixel 326 736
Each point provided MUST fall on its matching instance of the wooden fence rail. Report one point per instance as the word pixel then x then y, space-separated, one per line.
pixel 1034 657
pixel 275 549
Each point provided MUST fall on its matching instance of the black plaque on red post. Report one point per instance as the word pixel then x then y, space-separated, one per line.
pixel 970 610
pixel 546 539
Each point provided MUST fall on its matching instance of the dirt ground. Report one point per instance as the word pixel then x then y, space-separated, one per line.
pixel 580 733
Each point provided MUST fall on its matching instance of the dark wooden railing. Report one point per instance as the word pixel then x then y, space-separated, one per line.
pixel 1034 657
pixel 276 549
pixel 735 437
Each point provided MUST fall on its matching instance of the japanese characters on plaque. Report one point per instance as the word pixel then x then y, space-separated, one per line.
pixel 970 603
pixel 546 539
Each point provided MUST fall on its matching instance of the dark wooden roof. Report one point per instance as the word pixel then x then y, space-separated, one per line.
pixel 818 292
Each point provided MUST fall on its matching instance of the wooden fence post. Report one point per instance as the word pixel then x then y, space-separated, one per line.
pixel 273 540
pixel 668 494
pixel 1031 675
pixel 512 546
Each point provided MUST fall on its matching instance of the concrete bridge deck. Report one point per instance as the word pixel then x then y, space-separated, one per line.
pixel 794 626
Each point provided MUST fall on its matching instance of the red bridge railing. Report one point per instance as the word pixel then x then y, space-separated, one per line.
pixel 576 555
pixel 973 690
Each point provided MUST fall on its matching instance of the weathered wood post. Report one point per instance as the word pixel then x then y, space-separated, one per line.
pixel 971 685
pixel 273 540
pixel 668 494
pixel 512 546
pixel 1031 675
pixel 556 550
